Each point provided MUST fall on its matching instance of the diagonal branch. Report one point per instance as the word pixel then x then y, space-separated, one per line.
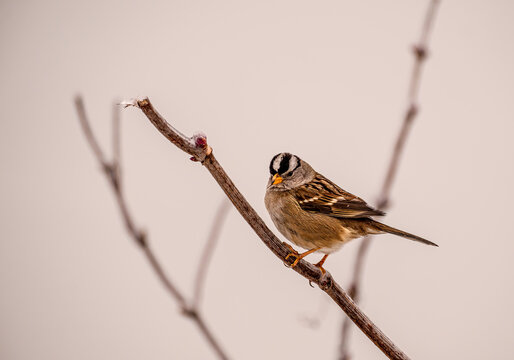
pixel 112 174
pixel 197 147
pixel 208 250
pixel 420 54
pixel 116 140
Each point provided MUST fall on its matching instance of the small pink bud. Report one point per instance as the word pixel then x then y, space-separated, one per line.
pixel 200 140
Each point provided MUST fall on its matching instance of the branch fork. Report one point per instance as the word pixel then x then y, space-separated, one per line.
pixel 112 170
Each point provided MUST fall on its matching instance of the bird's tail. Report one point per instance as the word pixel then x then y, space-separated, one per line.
pixel 391 230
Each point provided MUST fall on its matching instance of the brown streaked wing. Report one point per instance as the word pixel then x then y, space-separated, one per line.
pixel 323 196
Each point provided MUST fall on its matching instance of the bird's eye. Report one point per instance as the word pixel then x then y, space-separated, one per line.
pixel 293 164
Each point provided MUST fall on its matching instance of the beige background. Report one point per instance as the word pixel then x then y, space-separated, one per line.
pixel 326 80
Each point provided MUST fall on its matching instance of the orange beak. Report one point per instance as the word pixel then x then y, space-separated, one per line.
pixel 277 179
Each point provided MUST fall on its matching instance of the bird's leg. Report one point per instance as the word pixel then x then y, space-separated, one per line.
pixel 300 256
pixel 293 251
pixel 320 264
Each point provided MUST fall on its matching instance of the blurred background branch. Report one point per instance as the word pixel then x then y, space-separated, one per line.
pixel 112 171
pixel 208 250
pixel 420 51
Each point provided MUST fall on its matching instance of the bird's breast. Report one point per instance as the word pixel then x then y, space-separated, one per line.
pixel 305 229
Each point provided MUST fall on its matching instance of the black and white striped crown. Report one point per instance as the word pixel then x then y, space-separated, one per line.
pixel 284 164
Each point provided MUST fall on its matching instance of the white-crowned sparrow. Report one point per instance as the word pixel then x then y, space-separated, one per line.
pixel 316 214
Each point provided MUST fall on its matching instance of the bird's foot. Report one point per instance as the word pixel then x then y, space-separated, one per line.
pixel 319 265
pixel 294 254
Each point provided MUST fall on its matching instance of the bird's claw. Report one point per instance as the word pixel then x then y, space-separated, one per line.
pixel 296 256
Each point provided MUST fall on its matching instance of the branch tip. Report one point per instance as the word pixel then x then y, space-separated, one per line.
pixel 132 102
pixel 143 102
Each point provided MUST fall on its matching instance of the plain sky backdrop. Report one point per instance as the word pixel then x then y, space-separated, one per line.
pixel 326 80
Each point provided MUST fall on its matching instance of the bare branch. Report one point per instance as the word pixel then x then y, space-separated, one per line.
pixel 198 147
pixel 344 345
pixel 139 236
pixel 81 110
pixel 116 141
pixel 420 51
pixel 203 265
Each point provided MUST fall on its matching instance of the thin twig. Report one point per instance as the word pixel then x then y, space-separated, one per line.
pixel 84 123
pixel 201 151
pixel 205 259
pixel 140 238
pixel 116 140
pixel 420 54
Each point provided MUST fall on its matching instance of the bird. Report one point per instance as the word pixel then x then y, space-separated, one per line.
pixel 317 215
